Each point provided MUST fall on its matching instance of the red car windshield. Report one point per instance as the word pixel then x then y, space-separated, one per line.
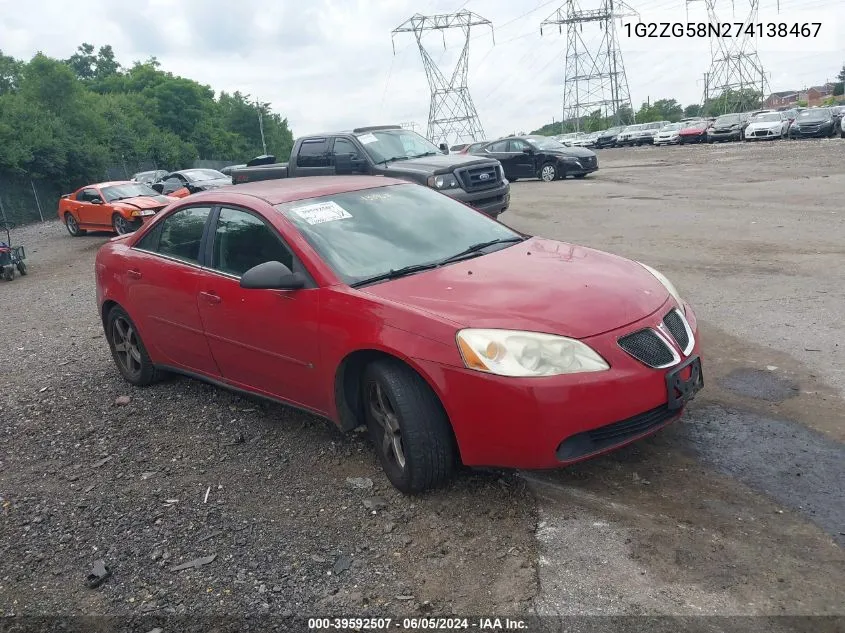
pixel 363 234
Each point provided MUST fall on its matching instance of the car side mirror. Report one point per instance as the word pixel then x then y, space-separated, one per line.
pixel 342 164
pixel 528 150
pixel 272 276
pixel 158 187
pixel 96 201
pixel 444 148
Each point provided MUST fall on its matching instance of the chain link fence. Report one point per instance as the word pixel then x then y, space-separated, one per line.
pixel 24 200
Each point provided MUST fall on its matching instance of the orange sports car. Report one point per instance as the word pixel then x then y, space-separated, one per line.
pixel 120 207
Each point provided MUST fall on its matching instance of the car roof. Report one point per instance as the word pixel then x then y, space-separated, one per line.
pixel 279 191
pixel 110 183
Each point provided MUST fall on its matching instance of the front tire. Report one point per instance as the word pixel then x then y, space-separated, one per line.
pixel 22 268
pixel 122 226
pixel 73 226
pixel 128 350
pixel 548 172
pixel 408 426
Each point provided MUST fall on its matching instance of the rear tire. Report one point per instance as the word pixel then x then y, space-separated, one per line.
pixel 73 226
pixel 9 273
pixel 128 350
pixel 408 427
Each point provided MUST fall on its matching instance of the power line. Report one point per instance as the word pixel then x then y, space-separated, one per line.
pixel 452 115
pixel 594 78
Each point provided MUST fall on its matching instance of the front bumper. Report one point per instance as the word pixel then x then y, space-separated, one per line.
pixel 492 201
pixel 666 140
pixel 762 134
pixel 813 132
pixel 537 423
pixel 584 166
pixel 729 135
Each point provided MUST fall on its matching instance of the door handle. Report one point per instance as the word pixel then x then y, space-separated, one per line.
pixel 210 297
pixel 135 274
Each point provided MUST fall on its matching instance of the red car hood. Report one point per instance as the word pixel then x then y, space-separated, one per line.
pixel 537 285
pixel 144 202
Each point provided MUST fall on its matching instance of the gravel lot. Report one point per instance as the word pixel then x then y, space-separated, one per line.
pixel 704 517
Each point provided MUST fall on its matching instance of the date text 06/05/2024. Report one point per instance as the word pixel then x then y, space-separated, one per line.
pixel 721 29
pixel 418 624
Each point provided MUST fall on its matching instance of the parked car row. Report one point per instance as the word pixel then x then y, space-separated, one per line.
pixel 737 126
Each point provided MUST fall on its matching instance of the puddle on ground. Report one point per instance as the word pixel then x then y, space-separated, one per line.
pixel 760 383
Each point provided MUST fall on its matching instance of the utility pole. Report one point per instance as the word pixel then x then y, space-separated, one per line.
pixel 452 116
pixel 261 126
pixel 594 78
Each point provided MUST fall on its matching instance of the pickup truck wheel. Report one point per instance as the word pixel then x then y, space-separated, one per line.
pixel 73 226
pixel 408 426
pixel 548 172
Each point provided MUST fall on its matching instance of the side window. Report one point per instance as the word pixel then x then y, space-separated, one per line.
pixel 313 153
pixel 243 240
pixel 517 145
pixel 172 184
pixel 87 195
pixel 150 241
pixel 180 234
pixel 501 146
pixel 344 146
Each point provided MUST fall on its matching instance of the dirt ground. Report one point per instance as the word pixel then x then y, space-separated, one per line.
pixel 739 509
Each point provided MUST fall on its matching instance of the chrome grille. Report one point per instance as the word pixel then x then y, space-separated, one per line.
pixel 479 178
pixel 648 347
pixel 676 324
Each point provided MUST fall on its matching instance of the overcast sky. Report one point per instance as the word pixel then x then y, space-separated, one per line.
pixel 329 64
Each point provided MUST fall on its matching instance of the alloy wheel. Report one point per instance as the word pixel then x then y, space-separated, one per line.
pixel 72 225
pixel 121 225
pixel 385 416
pixel 126 346
pixel 548 173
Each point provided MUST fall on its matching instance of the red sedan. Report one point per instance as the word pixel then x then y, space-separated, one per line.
pixel 694 133
pixel 373 301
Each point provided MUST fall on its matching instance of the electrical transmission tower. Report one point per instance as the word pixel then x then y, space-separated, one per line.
pixel 451 115
pixel 595 77
pixel 735 68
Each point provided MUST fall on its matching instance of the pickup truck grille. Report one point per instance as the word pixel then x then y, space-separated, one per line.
pixel 479 178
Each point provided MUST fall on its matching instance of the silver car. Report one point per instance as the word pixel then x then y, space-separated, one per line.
pixel 669 134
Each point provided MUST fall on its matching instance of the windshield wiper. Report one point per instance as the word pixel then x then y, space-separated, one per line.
pixel 390 160
pixel 424 154
pixel 476 249
pixel 393 274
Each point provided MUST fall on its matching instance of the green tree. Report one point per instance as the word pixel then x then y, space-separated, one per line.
pixel 10 73
pixel 693 110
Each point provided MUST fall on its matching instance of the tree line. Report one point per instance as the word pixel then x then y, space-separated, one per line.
pixel 68 120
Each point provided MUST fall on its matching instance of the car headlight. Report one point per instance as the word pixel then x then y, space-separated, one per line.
pixel 670 287
pixel 443 181
pixel 518 353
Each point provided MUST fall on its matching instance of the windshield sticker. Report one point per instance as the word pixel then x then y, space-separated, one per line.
pixel 367 138
pixel 376 196
pixel 322 212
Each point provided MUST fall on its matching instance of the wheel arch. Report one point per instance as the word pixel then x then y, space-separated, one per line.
pixel 347 382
